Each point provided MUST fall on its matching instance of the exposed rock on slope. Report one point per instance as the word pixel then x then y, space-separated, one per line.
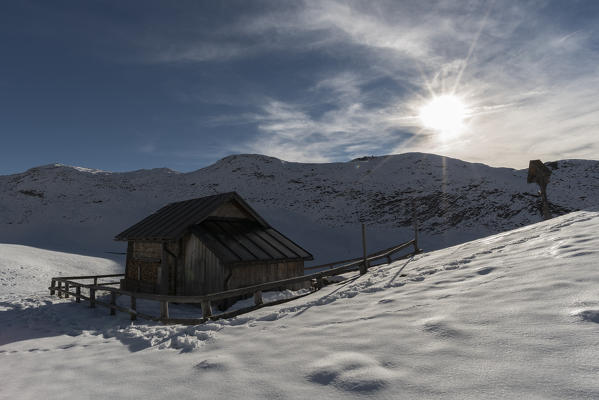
pixel 79 209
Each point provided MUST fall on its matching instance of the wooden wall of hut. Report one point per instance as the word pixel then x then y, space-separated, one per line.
pixel 256 273
pixel 144 266
pixel 172 259
pixel 202 273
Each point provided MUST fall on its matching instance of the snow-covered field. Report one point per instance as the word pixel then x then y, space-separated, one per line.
pixel 515 315
pixel 27 270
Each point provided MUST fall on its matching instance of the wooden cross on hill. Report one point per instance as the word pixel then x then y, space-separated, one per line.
pixel 539 173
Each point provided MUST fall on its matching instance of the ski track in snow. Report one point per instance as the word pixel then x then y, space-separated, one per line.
pixel 511 315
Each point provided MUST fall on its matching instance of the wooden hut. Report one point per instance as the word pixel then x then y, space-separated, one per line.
pixel 207 245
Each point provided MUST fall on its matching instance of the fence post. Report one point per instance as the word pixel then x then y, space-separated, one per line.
pixel 92 298
pixel 78 294
pixel 52 286
pixel 364 265
pixel 95 281
pixel 319 282
pixel 112 303
pixel 59 288
pixel 206 309
pixel 415 217
pixel 134 308
pixel 258 297
pixel 66 288
pixel 389 259
pixel 164 310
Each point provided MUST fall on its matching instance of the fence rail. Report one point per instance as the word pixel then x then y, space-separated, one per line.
pixel 63 285
pixel 387 253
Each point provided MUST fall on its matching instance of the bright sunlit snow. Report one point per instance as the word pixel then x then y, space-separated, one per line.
pixel 515 315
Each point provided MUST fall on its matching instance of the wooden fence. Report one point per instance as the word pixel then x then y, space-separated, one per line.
pixel 64 285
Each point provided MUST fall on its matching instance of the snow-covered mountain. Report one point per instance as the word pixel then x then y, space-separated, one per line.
pixel 319 205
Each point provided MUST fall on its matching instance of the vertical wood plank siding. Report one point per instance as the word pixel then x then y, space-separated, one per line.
pixel 196 270
pixel 180 273
pixel 130 273
pixel 171 261
pixel 253 274
pixel 203 271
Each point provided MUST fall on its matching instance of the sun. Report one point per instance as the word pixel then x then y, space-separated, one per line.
pixel 444 114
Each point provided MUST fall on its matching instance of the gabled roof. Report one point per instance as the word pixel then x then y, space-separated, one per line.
pixel 236 240
pixel 173 220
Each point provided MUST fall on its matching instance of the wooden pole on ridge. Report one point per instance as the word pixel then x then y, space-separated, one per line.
pixel 415 218
pixel 364 265
pixel 540 174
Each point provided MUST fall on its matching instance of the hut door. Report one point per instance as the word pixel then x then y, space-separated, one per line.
pixel 193 267
pixel 197 272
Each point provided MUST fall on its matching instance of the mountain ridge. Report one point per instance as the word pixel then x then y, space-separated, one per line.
pixel 80 209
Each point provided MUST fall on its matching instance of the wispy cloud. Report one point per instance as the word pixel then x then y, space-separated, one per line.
pixel 531 86
pixel 347 131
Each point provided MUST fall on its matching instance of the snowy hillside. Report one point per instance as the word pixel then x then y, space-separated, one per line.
pixel 26 270
pixel 515 315
pixel 318 205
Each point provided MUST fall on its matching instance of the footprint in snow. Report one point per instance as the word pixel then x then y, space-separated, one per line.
pixel 372 289
pixel 240 321
pixel 584 239
pixel 443 330
pixel 270 317
pixel 350 372
pixel 485 271
pixel 206 365
pixel 589 316
pixel 429 272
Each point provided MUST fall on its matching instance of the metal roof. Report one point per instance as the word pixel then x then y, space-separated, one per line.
pixel 236 240
pixel 173 220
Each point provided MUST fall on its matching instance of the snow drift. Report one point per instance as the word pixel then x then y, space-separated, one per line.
pixel 510 315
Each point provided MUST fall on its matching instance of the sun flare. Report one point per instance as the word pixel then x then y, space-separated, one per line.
pixel 444 114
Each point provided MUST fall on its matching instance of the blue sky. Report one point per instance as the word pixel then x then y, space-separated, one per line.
pixel 128 85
